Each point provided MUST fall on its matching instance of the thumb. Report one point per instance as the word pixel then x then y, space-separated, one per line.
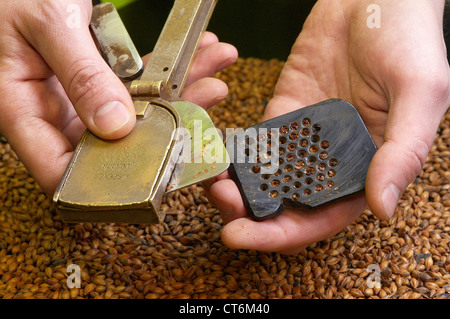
pixel 410 131
pixel 97 94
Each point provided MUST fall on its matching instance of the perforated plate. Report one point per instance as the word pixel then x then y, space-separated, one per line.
pixel 308 157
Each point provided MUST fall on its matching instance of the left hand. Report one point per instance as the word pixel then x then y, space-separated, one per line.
pixel 398 78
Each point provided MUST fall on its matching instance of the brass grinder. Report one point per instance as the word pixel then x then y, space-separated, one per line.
pixel 124 180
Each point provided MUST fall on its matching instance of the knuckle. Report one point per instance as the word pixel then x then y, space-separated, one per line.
pixel 433 79
pixel 416 155
pixel 440 85
pixel 88 78
pixel 40 16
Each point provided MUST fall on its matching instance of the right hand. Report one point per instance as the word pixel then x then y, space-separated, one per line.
pixel 54 84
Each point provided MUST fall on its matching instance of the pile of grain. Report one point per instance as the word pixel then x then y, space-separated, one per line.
pixel 184 256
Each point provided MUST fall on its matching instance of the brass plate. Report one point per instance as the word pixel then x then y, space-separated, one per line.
pixel 127 175
pixel 204 155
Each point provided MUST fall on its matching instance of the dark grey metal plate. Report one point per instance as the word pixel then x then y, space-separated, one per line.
pixel 308 157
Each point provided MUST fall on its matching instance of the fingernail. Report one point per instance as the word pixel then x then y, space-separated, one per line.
pixel 225 64
pixel 111 116
pixel 390 197
pixel 218 99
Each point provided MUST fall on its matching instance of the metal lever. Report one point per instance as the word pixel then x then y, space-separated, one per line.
pixel 171 61
pixel 115 43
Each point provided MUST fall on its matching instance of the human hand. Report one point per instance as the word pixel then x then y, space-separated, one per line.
pixel 54 84
pixel 397 76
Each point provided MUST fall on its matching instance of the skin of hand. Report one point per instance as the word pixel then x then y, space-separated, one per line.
pixel 397 76
pixel 54 84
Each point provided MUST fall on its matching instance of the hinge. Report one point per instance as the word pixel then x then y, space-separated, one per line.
pixel 149 89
